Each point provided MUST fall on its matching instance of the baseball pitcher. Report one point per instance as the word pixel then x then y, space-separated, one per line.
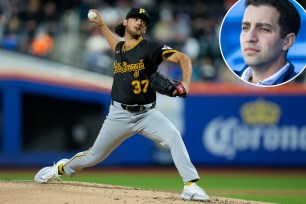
pixel 133 105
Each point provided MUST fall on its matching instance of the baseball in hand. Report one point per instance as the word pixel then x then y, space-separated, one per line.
pixel 92 15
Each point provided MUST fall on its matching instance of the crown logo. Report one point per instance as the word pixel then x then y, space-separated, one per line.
pixel 260 112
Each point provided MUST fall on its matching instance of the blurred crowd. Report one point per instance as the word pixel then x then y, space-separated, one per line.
pixel 60 31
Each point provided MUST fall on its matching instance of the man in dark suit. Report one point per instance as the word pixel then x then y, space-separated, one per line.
pixel 269 29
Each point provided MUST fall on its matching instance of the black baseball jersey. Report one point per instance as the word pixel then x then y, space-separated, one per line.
pixel 133 69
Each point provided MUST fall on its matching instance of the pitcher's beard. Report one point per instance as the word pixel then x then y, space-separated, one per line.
pixel 134 34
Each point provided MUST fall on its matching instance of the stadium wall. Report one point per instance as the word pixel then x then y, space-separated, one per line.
pixel 42 122
pixel 47 115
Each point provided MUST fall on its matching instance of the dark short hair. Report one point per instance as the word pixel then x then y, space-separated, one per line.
pixel 289 19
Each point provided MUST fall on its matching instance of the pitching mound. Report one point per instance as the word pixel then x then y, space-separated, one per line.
pixel 16 192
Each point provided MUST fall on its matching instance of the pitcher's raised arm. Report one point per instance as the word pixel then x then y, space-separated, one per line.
pixel 111 38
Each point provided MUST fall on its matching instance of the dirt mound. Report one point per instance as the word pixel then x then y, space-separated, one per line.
pixel 14 192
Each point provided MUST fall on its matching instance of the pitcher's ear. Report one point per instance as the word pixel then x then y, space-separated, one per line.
pixel 124 22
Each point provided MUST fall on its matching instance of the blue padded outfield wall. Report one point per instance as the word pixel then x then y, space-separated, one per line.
pixel 248 129
pixel 223 124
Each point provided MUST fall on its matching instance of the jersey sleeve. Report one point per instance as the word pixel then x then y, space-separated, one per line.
pixel 160 52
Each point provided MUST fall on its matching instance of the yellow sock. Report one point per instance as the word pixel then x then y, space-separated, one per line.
pixel 61 169
pixel 188 183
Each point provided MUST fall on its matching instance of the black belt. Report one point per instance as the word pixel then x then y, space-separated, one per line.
pixel 136 108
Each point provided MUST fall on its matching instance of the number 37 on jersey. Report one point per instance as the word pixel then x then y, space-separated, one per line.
pixel 140 86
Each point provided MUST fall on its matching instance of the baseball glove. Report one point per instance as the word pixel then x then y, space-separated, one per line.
pixel 165 86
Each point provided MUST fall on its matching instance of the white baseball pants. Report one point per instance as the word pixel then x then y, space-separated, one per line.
pixel 120 125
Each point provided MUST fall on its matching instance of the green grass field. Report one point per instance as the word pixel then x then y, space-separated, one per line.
pixel 288 187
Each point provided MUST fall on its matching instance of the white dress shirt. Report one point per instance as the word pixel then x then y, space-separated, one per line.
pixel 247 75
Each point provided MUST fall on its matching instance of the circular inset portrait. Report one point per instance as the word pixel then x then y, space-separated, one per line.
pixel 264 41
